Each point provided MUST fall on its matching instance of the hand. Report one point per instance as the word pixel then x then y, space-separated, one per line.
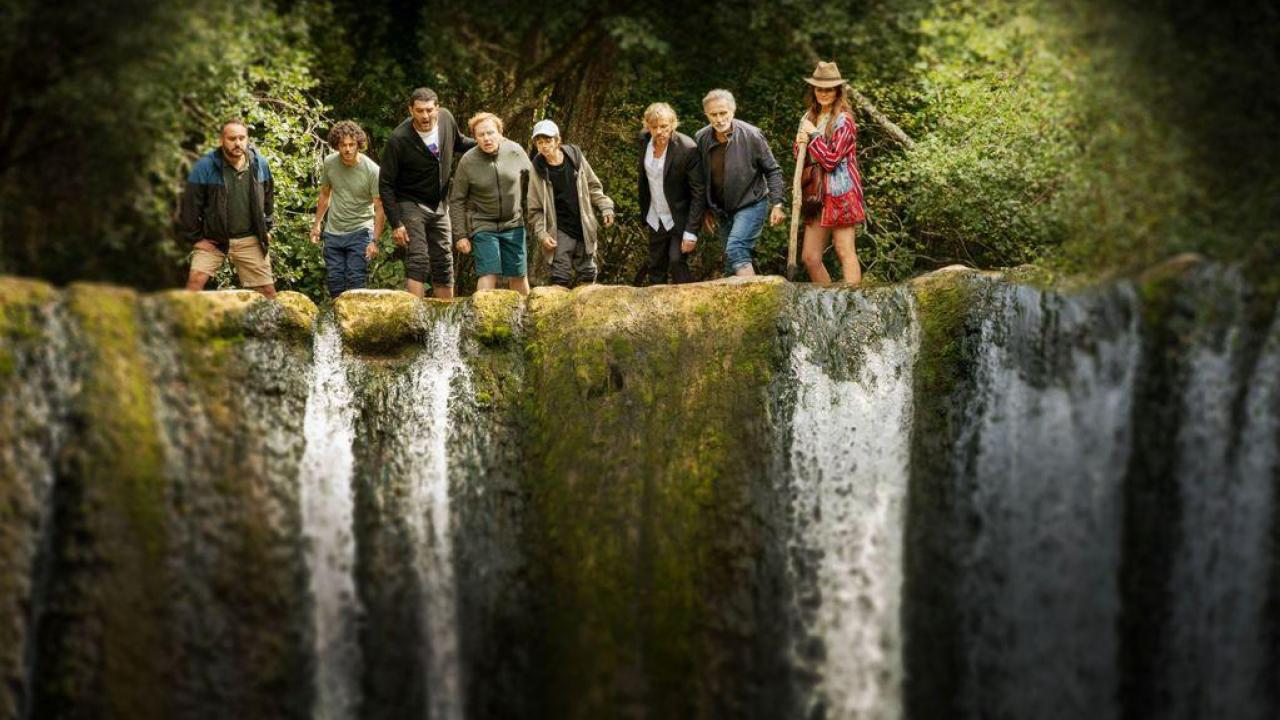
pixel 807 127
pixel 401 236
pixel 686 246
pixel 549 243
pixel 206 245
pixel 776 216
pixel 464 246
pixel 315 234
pixel 371 251
pixel 608 220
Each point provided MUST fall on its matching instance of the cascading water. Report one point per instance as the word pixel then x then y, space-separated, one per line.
pixel 36 413
pixel 1225 475
pixel 1041 463
pixel 327 520
pixel 849 458
pixel 1013 502
pixel 430 384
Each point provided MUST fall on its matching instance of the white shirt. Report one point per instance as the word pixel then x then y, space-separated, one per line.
pixel 432 137
pixel 659 217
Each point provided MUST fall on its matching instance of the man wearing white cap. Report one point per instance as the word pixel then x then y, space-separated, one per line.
pixel 562 194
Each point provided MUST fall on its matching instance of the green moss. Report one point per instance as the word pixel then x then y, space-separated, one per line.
pixel 112 648
pixel 1160 286
pixel 21 302
pixel 380 322
pixel 206 315
pixel 226 317
pixel 298 311
pixel 943 301
pixel 495 314
pixel 646 422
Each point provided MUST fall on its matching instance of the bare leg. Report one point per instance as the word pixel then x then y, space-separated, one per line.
pixel 519 284
pixel 441 292
pixel 486 282
pixel 268 291
pixel 843 239
pixel 196 280
pixel 816 238
pixel 416 287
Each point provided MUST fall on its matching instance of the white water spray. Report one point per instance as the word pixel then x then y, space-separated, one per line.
pixel 1049 425
pixel 430 385
pixel 1222 569
pixel 850 457
pixel 328 507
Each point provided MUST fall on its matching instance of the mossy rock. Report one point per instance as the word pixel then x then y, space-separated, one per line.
pixel 495 316
pixel 648 429
pixel 234 314
pixel 297 310
pixel 108 649
pixel 20 300
pixel 206 315
pixel 380 322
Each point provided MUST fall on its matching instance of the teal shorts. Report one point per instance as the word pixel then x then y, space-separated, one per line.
pixel 499 253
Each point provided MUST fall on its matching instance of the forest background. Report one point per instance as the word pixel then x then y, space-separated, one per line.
pixel 1091 137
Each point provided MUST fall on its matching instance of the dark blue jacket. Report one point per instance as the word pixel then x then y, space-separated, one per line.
pixel 203 213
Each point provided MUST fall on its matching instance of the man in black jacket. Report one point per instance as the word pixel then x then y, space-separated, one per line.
pixel 414 185
pixel 226 212
pixel 671 194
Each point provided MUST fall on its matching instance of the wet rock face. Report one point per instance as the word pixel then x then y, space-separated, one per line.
pixel 648 474
pixel 168 444
pixel 32 375
pixel 975 495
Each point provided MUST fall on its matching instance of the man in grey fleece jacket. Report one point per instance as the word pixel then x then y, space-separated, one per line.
pixel 486 205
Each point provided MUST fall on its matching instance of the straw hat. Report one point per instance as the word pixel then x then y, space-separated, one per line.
pixel 826 75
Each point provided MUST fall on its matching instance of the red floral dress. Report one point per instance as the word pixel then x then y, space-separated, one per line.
pixel 838 157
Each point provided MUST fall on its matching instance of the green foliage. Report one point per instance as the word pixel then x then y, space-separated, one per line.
pixel 1076 134
pixel 265 78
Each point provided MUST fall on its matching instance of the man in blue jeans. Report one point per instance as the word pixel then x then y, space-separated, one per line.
pixel 742 178
pixel 349 213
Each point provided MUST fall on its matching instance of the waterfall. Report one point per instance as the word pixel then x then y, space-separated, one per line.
pixel 430 383
pixel 1042 496
pixel 35 416
pixel 327 519
pixel 849 457
pixel 1226 478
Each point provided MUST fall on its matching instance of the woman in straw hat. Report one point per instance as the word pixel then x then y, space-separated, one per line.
pixel 832 138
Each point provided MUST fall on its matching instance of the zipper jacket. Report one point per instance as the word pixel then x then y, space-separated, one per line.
pixel 542 198
pixel 407 173
pixel 488 190
pixel 203 211
pixel 750 170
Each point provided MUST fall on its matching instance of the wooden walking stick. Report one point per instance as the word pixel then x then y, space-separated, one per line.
pixel 796 201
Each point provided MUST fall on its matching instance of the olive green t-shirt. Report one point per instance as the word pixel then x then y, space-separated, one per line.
pixel 352 191
pixel 239 191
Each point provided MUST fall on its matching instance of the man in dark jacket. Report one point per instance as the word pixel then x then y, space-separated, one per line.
pixel 672 200
pixel 414 185
pixel 226 212
pixel 744 181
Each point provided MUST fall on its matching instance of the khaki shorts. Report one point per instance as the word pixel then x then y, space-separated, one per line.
pixel 246 255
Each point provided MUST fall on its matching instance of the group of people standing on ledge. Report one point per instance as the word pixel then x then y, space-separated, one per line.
pixel 725 179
